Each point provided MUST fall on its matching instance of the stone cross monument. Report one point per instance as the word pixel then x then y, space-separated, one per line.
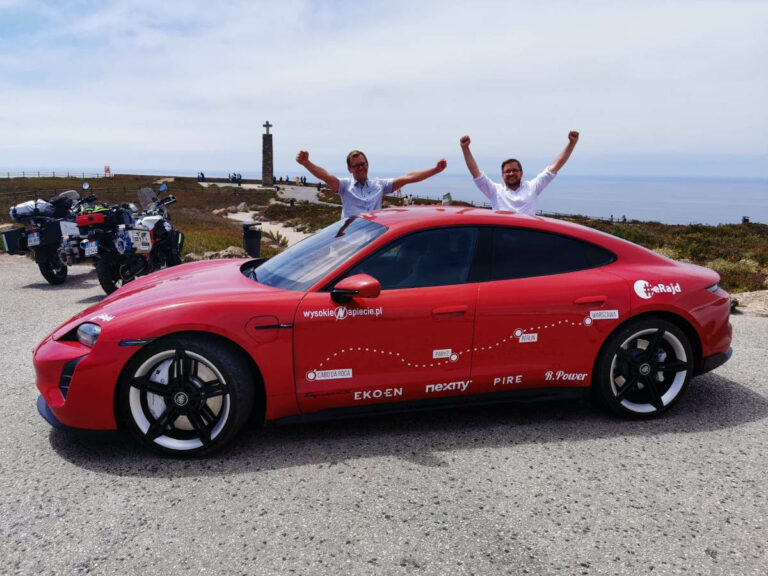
pixel 267 166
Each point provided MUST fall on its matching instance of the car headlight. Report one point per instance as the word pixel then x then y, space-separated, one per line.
pixel 88 333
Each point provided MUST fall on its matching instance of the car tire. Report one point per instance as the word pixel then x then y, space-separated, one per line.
pixel 197 413
pixel 644 368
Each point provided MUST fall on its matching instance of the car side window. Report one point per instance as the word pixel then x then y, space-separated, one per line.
pixel 438 257
pixel 523 253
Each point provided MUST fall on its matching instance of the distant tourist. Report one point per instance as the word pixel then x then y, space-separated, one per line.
pixel 515 194
pixel 359 193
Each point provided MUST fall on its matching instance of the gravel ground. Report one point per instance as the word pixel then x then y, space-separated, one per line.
pixel 540 489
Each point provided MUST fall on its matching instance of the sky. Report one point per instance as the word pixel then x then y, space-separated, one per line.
pixel 656 88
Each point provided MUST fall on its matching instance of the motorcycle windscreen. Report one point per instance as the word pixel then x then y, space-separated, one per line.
pixel 71 194
pixel 147 198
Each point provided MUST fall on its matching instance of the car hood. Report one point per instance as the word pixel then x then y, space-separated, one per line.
pixel 207 281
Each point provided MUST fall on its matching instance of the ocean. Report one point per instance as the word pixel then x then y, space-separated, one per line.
pixel 666 200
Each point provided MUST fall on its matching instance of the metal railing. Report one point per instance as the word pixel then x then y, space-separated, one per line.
pixel 53 174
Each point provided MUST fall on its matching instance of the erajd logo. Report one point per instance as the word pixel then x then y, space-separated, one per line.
pixel 646 290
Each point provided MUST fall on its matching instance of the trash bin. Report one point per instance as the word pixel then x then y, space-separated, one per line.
pixel 252 238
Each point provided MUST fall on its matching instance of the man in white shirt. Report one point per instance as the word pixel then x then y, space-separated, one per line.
pixel 360 194
pixel 515 194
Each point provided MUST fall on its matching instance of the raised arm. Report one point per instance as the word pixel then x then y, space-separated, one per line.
pixel 418 175
pixel 562 158
pixel 303 158
pixel 468 158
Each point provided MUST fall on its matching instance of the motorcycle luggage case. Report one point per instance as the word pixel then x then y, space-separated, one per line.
pixel 15 241
pixel 90 219
pixel 50 233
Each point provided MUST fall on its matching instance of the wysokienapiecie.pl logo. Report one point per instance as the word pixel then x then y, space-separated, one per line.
pixel 342 313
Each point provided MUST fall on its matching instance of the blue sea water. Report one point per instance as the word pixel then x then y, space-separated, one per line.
pixel 666 200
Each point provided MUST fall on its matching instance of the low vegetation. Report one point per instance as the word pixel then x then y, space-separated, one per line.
pixel 738 252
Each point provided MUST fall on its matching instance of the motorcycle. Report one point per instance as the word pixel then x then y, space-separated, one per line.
pixel 128 243
pixel 46 223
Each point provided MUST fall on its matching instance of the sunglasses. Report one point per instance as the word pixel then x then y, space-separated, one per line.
pixel 360 165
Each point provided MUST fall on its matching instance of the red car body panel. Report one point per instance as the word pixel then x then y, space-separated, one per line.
pixel 536 326
pixel 412 344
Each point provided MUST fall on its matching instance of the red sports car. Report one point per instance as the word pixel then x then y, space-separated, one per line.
pixel 391 310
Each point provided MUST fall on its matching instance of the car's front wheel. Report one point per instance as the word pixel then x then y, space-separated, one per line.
pixel 644 368
pixel 186 395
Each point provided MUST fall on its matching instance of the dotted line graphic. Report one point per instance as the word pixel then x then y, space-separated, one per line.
pixel 456 354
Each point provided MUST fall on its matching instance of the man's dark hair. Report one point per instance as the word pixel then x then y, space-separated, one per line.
pixel 507 162
pixel 355 153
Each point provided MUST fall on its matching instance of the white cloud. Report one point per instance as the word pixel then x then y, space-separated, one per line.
pixel 142 81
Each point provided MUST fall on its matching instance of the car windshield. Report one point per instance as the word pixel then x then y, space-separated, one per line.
pixel 303 264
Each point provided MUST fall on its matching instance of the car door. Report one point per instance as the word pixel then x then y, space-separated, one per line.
pixel 410 343
pixel 549 305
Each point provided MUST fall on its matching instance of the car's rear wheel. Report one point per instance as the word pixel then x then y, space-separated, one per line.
pixel 186 395
pixel 644 368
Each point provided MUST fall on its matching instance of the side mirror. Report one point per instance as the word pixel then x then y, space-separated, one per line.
pixel 359 285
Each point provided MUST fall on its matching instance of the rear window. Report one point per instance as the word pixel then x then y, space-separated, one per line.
pixel 523 253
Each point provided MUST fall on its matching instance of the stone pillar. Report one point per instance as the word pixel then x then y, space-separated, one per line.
pixel 267 165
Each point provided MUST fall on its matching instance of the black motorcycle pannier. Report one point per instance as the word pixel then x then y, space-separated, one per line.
pixel 50 233
pixel 15 241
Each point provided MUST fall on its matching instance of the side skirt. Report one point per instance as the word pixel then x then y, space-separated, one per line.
pixel 516 396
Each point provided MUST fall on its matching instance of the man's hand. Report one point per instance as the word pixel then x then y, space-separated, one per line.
pixel 573 137
pixel 465 141
pixel 302 157
pixel 441 164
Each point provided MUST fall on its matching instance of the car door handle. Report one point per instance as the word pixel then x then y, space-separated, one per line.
pixel 590 300
pixel 450 310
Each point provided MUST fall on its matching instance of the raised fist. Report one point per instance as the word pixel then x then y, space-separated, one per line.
pixel 573 136
pixel 465 141
pixel 302 157
pixel 441 164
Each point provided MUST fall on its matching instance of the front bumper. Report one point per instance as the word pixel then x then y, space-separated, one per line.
pixel 77 383
pixel 45 411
